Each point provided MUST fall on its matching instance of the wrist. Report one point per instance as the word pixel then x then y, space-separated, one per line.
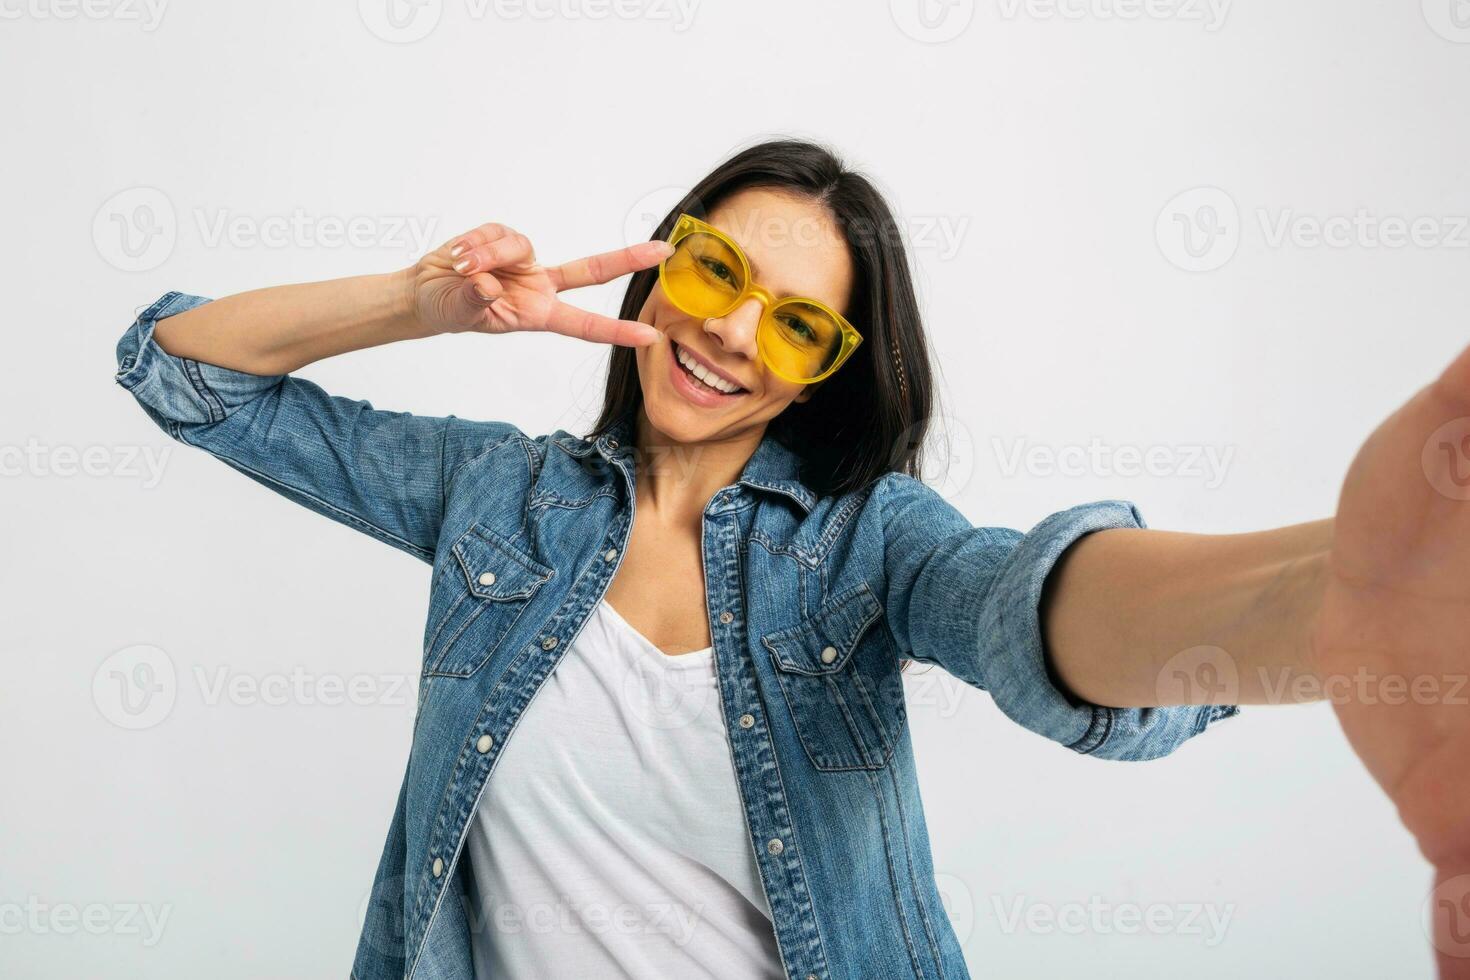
pixel 1312 574
pixel 400 295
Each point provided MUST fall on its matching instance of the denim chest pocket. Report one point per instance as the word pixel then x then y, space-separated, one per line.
pixel 839 673
pixel 485 586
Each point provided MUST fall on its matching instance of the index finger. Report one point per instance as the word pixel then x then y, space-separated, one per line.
pixel 607 266
pixel 584 325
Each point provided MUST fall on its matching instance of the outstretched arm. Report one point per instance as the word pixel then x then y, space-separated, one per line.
pixel 1371 611
pixel 1137 618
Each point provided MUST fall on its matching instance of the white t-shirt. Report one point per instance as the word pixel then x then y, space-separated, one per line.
pixel 610 841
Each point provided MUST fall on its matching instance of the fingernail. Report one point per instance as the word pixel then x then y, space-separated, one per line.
pixel 461 265
pixel 482 297
pixel 457 250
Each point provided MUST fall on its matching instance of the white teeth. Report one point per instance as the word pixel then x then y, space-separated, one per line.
pixel 704 374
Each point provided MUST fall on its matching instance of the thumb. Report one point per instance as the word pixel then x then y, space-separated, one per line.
pixel 466 301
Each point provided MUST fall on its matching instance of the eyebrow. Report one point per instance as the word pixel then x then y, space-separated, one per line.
pixel 755 274
pixel 754 269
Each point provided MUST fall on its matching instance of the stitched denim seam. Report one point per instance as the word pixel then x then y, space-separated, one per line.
pixel 893 882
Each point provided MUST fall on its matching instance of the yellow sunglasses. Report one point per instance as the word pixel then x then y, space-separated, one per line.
pixel 708 275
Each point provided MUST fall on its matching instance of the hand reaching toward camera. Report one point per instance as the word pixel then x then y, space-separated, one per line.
pixel 1393 633
pixel 489 280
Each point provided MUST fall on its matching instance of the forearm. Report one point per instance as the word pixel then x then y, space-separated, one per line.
pixel 281 328
pixel 1122 604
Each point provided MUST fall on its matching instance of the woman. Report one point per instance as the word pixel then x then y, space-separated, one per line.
pixel 767 395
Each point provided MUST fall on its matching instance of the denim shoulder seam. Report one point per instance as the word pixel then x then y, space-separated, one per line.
pixel 487 450
pixel 836 522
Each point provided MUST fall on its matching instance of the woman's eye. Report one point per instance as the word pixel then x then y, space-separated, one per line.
pixel 719 270
pixel 799 327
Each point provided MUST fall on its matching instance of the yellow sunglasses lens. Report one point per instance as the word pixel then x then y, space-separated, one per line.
pixel 705 276
pixel 799 340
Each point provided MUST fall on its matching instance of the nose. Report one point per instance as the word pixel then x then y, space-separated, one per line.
pixel 735 331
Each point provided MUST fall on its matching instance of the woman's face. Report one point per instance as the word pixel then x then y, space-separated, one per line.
pixel 795 249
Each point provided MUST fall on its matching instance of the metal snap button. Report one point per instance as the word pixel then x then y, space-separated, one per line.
pixel 775 846
pixel 829 654
pixel 487 578
pixel 549 643
pixel 727 617
pixel 483 745
pixel 610 554
pixel 438 867
pixel 746 721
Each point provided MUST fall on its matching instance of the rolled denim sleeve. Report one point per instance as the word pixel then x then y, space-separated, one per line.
pixel 382 473
pixel 969 599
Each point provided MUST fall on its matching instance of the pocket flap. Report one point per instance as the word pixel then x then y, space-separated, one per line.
pixel 822 643
pixel 496 569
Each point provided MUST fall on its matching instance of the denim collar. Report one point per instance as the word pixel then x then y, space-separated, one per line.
pixel 772 468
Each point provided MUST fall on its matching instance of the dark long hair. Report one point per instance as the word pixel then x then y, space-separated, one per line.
pixel 871 416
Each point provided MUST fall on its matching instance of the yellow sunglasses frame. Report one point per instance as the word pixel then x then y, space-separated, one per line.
pixel 687 225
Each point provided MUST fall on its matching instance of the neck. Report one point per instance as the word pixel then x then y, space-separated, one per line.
pixel 675 480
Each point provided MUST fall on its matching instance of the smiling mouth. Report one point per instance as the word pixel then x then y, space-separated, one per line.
pixel 701 376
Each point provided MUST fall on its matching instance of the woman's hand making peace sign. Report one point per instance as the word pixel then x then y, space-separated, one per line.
pixel 489 280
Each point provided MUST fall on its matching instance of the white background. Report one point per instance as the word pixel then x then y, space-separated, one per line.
pixel 1034 153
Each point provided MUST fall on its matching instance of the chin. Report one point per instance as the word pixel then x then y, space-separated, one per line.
pixel 674 416
pixel 679 421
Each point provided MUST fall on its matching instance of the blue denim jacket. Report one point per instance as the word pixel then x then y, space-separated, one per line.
pixel 812 602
